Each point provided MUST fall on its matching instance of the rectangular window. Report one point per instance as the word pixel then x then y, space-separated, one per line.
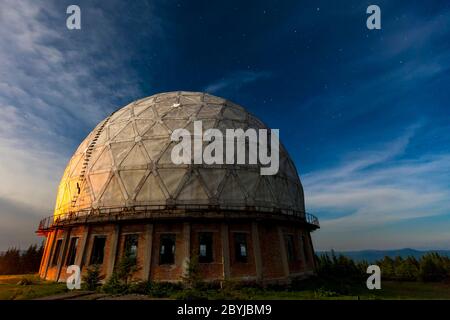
pixel 290 249
pixel 131 245
pixel 98 250
pixel 205 253
pixel 167 249
pixel 240 247
pixel 72 253
pixel 57 252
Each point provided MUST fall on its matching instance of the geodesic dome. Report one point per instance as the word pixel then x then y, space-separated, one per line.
pixel 125 162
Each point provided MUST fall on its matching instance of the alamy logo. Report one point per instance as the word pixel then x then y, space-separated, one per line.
pixel 241 147
pixel 374 20
pixel 73 22
pixel 74 279
pixel 374 281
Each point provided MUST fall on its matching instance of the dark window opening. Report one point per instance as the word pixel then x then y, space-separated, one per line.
pixel 57 252
pixel 205 250
pixel 290 249
pixel 98 250
pixel 240 247
pixel 167 249
pixel 72 253
pixel 131 245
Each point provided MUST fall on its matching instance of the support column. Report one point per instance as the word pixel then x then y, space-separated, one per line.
pixel 284 259
pixel 148 252
pixel 311 251
pixel 112 251
pixel 82 250
pixel 48 254
pixel 302 249
pixel 225 250
pixel 257 250
pixel 187 246
pixel 44 254
pixel 62 254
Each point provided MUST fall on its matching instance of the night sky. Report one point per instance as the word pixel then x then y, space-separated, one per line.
pixel 365 114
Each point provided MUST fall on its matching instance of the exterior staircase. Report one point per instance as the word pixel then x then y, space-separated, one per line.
pixel 81 183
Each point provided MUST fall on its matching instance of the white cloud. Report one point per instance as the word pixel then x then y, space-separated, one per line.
pixel 375 188
pixel 54 83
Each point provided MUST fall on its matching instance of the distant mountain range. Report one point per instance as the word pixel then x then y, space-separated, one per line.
pixel 373 255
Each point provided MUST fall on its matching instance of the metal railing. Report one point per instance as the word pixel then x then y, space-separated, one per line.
pixel 312 219
pixel 83 215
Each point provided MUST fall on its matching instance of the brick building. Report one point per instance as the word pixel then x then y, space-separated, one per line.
pixel 121 194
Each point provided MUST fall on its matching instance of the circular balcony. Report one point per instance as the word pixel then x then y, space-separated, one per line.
pixel 165 212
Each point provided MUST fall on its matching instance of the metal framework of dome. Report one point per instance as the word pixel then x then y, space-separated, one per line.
pixel 125 163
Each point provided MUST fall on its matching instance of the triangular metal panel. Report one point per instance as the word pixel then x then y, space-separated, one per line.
pixel 98 182
pixel 192 190
pixel 131 179
pixel 113 193
pixel 212 177
pixel 127 133
pixel 135 158
pixel 172 179
pixel 231 191
pixel 151 191
pixel 119 150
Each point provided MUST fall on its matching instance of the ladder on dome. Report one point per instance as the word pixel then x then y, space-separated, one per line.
pixel 82 178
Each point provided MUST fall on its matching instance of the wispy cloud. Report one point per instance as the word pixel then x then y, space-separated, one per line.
pixel 235 81
pixel 55 85
pixel 378 187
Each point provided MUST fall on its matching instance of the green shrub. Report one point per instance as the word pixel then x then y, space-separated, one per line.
pixel 141 287
pixel 114 285
pixel 430 267
pixel 91 281
pixel 192 279
pixel 191 294
pixel 164 289
pixel 125 269
pixel 340 267
pixel 120 281
pixel 433 268
pixel 407 270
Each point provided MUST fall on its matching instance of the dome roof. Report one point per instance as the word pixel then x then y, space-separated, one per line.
pixel 125 162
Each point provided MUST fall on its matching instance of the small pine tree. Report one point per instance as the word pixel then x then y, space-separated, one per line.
pixel 192 279
pixel 120 280
pixel 433 268
pixel 407 270
pixel 92 278
pixel 126 267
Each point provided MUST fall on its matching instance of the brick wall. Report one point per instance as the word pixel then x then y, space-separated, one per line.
pixel 241 269
pixel 139 230
pixel 270 251
pixel 268 234
pixel 168 272
pixel 213 270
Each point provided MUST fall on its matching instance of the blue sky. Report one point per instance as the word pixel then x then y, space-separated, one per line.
pixel 365 114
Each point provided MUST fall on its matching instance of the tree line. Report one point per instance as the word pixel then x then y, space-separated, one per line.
pixel 431 267
pixel 428 268
pixel 15 261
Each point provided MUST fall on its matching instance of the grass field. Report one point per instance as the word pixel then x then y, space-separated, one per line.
pixel 390 290
pixel 23 287
pixel 31 287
